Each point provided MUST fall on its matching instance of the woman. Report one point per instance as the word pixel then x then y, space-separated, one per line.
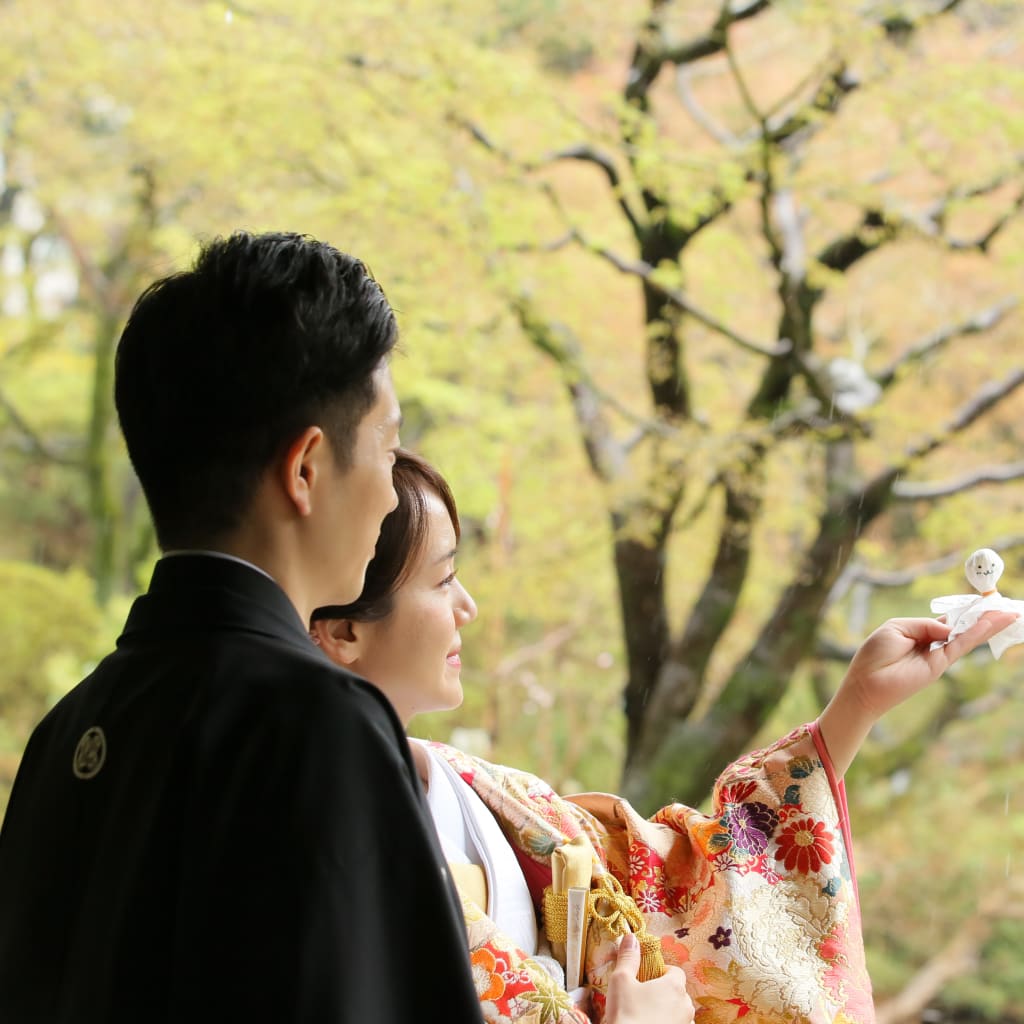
pixel 757 902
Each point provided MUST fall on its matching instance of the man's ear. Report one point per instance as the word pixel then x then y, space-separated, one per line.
pixel 301 467
pixel 340 639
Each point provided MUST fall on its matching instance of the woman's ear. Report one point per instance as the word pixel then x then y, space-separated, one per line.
pixel 339 639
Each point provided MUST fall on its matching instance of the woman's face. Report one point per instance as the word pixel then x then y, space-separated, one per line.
pixel 412 655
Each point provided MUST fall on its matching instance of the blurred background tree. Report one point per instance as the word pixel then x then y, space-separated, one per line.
pixel 709 312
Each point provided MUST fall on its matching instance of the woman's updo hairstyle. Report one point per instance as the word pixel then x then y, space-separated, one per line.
pixel 402 535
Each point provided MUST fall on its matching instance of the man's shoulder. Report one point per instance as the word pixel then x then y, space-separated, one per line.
pixel 262 682
pixel 277 671
pixel 279 717
pixel 276 689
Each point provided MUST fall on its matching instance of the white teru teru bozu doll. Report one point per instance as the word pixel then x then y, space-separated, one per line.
pixel 983 570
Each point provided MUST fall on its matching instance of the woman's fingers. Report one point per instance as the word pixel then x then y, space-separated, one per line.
pixel 984 629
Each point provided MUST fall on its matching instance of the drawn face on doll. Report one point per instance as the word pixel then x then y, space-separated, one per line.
pixel 412 654
pixel 983 570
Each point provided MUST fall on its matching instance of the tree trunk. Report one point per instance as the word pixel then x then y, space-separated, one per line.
pixel 685 757
pixel 640 568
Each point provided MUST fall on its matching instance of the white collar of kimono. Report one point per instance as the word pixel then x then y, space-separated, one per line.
pixel 470 835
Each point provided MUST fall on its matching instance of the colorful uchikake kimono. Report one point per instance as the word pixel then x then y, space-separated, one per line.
pixel 757 902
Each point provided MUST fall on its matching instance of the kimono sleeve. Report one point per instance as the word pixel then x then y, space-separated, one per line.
pixel 756 901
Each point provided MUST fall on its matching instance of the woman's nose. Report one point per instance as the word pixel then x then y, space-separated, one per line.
pixel 466 606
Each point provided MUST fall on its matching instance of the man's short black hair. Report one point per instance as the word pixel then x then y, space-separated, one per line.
pixel 221 367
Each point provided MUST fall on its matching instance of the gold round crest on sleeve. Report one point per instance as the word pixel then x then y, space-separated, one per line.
pixel 90 754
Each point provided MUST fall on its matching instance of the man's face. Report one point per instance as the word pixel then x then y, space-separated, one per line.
pixel 362 494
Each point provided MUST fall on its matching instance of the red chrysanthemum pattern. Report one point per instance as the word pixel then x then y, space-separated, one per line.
pixel 805 845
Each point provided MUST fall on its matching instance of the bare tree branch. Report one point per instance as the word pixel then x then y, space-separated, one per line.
pixel 898 26
pixel 714 610
pixel 880 226
pixel 874 230
pixel 653 49
pixel 986 475
pixel 483 138
pixel 768 194
pixel 931 222
pixel 588 154
pixel 606 455
pixel 882 486
pixel 890 578
pixel 984 240
pixel 835 82
pixel 713 41
pixel 741 84
pixel 699 115
pixel 581 152
pixel 988 396
pixel 554 245
pixel 981 321
pixel 835 79
pixel 645 271
pixel 985 188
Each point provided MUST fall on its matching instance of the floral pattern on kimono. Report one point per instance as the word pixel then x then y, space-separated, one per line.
pixel 511 985
pixel 756 902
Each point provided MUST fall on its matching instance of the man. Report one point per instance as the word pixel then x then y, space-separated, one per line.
pixel 217 824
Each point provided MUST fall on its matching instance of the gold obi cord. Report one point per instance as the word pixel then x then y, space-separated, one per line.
pixel 612 910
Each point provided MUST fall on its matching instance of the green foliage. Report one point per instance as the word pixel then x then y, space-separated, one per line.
pixel 938 847
pixel 47 618
pixel 421 139
pixel 51 631
pixel 993 993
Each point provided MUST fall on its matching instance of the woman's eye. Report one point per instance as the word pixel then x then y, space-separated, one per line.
pixel 449 579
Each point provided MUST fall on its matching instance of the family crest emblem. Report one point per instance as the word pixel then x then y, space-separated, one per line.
pixel 90 754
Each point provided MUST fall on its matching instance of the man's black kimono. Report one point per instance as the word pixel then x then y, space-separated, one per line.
pixel 220 825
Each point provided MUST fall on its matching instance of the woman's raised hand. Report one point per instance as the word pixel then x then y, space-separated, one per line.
pixel 895 662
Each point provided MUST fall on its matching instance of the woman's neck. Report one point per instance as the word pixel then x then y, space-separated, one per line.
pixel 422 759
